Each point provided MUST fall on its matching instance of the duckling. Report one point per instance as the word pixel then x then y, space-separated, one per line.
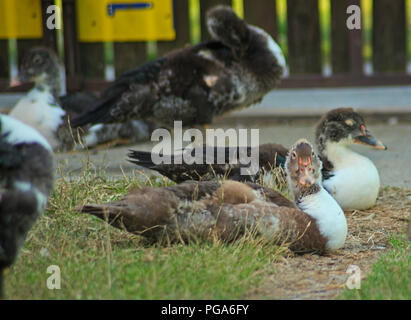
pixel 43 109
pixel 26 178
pixel 207 209
pixel 194 84
pixel 350 177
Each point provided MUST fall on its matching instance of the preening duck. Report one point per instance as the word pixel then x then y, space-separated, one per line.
pixel 236 69
pixel 350 177
pixel 209 209
pixel 44 109
pixel 26 177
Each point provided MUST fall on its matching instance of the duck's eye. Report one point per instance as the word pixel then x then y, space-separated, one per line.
pixel 293 155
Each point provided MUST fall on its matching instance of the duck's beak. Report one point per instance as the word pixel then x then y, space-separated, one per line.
pixel 366 138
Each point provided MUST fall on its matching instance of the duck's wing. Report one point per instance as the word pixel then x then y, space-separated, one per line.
pixel 207 210
pixel 204 163
pixel 148 210
pixel 130 89
pixel 175 87
pixel 271 195
pixel 327 168
pixel 77 103
pixel 272 155
pixel 212 162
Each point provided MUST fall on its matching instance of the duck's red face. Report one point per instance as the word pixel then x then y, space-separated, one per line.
pixel 305 170
pixel 303 165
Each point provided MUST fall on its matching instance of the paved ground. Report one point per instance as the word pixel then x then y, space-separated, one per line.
pixel 289 114
pixel 394 164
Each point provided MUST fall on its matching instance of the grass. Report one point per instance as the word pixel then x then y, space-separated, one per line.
pixel 390 277
pixel 100 262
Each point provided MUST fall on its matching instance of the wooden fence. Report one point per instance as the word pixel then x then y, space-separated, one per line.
pixel 85 64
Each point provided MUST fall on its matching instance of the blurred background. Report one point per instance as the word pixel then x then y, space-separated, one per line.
pixel 319 48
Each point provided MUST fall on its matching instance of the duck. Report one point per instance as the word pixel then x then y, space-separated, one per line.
pixel 206 210
pixel 235 69
pixel 207 167
pixel 351 178
pixel 45 109
pixel 26 178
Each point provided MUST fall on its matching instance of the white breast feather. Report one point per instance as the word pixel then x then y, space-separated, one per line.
pixel 38 109
pixel 356 182
pixel 329 216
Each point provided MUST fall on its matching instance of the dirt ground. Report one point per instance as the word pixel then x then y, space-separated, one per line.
pixel 312 276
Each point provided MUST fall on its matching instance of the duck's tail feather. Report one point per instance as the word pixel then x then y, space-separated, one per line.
pixel 224 25
pixel 98 113
pixel 141 158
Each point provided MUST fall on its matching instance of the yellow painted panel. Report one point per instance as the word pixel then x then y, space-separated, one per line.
pixel 20 19
pixel 125 20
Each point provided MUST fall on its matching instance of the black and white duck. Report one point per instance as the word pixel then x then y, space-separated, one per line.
pixel 209 209
pixel 44 109
pixel 194 84
pixel 350 177
pixel 206 165
pixel 26 177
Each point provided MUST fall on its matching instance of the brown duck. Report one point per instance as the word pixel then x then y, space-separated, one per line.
pixel 207 209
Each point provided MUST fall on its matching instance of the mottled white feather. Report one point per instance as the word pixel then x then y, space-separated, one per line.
pixel 19 132
pixel 40 110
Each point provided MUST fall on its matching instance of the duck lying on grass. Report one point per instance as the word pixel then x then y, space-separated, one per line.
pixel 351 178
pixel 235 69
pixel 43 108
pixel 206 167
pixel 26 177
pixel 226 210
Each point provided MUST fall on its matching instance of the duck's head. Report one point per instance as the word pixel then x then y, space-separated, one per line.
pixel 303 168
pixel 344 127
pixel 40 65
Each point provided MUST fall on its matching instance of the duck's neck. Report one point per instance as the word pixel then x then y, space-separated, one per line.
pixel 340 155
pixel 49 84
pixel 321 206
